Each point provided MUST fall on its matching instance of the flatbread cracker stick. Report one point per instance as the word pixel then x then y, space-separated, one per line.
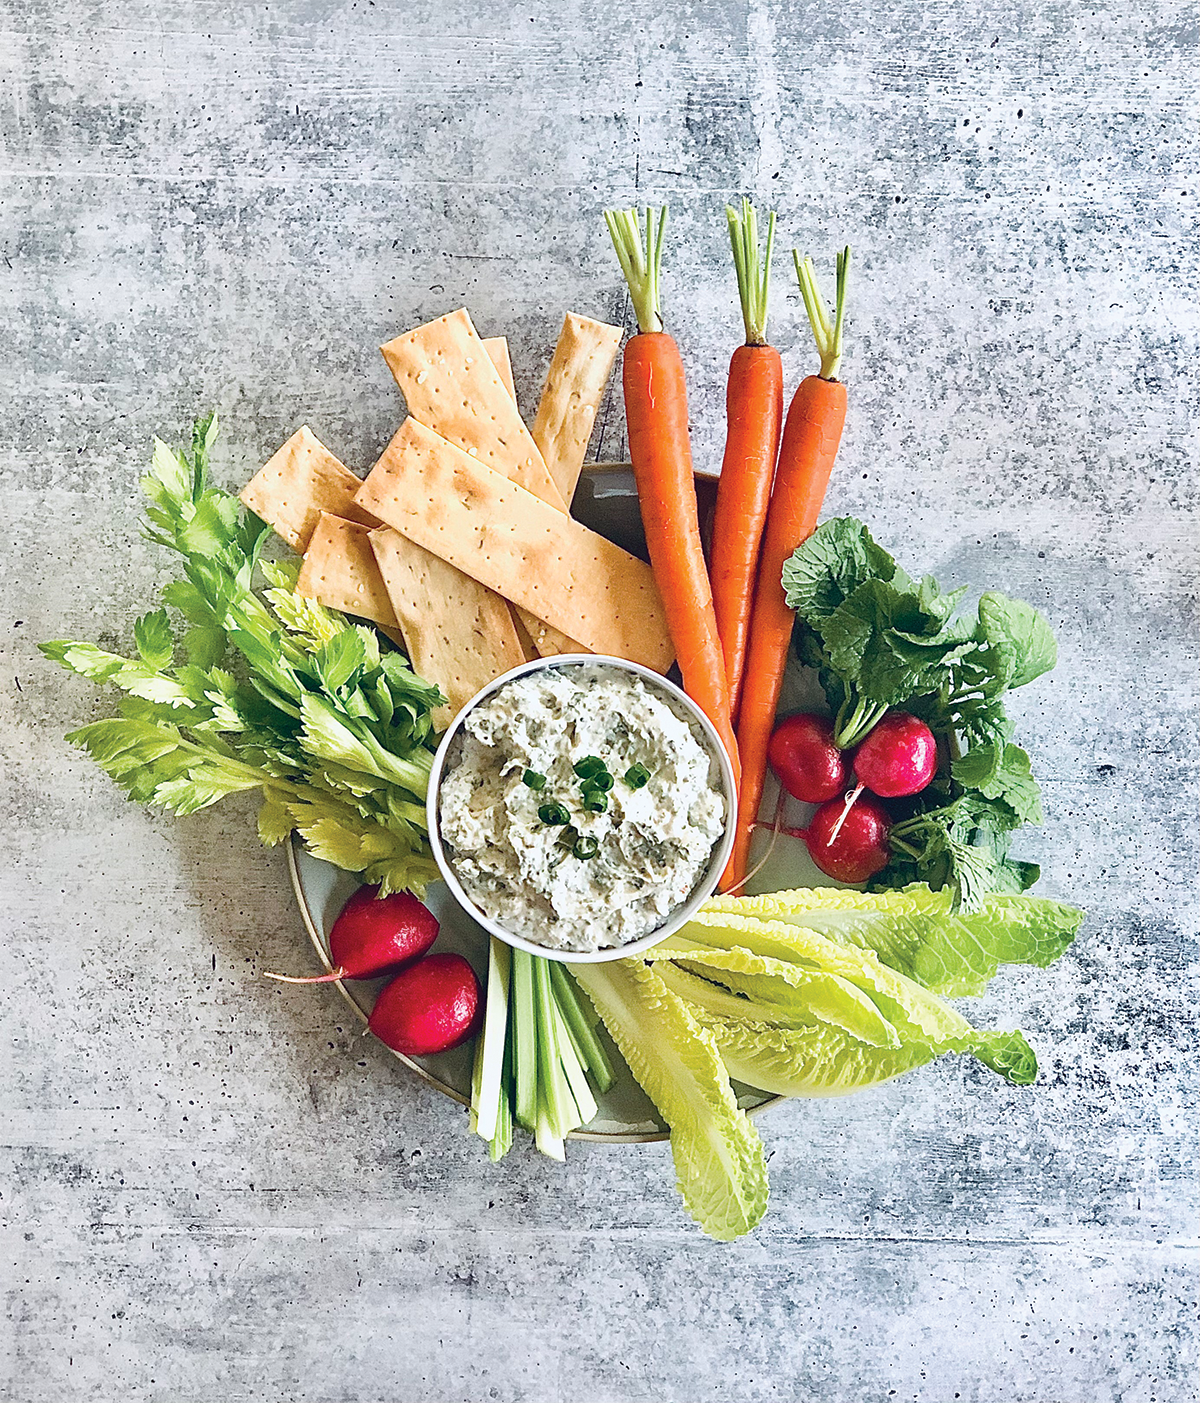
pixel 307 496
pixel 497 352
pixel 506 538
pixel 339 571
pixel 538 640
pixel 298 483
pixel 457 634
pixel 497 349
pixel 451 385
pixel 575 382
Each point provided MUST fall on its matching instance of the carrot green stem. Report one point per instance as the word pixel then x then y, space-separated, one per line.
pixel 753 276
pixel 826 330
pixel 640 256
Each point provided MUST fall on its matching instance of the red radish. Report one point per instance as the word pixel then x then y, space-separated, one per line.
pixel 375 936
pixel 429 1007
pixel 802 753
pixel 849 845
pixel 898 756
pixel 852 847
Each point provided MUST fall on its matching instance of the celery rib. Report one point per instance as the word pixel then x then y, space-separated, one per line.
pixel 525 1040
pixel 591 1049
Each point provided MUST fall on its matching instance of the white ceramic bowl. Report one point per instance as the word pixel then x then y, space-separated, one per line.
pixel 705 886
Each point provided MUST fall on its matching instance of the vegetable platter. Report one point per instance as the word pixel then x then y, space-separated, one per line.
pixel 771 883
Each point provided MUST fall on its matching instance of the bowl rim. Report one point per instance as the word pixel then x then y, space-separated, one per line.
pixel 703 889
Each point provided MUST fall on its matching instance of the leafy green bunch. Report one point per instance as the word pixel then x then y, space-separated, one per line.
pixel 881 640
pixel 275 693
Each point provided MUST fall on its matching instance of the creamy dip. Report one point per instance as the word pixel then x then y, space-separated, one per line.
pixel 598 879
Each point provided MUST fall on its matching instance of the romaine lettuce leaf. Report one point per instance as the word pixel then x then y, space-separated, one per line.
pixel 825 1061
pixel 802 996
pixel 815 1049
pixel 917 932
pixel 915 1013
pixel 719 1158
pixel 1008 1054
pixel 821 1061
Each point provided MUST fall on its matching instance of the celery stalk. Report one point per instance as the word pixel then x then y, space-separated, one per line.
pixel 476 1075
pixel 547 1139
pixel 552 1082
pixel 580 1058
pixel 583 1031
pixel 525 1040
pixel 501 1142
pixel 489 1058
pixel 581 1093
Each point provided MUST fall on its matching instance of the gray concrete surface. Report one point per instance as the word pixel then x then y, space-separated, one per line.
pixel 213 1190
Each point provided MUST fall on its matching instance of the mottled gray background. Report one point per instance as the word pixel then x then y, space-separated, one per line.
pixel 213 1189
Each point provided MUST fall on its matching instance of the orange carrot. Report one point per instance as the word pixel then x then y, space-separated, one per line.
pixel 753 412
pixel 810 443
pixel 657 418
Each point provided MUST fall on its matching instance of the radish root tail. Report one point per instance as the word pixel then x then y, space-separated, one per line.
pixel 329 978
pixel 775 831
pixel 844 815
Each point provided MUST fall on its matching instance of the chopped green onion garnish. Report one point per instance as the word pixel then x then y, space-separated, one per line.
pixel 586 847
pixel 534 780
pixel 590 765
pixel 595 802
pixel 636 776
pixel 553 813
pixel 566 844
pixel 603 783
